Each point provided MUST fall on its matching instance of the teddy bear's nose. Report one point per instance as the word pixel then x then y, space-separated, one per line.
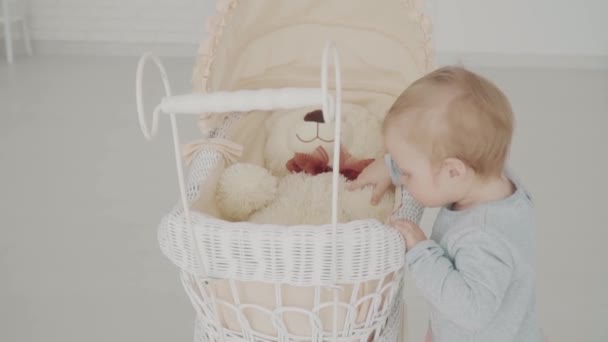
pixel 315 116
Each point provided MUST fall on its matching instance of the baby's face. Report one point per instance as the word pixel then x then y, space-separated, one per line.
pixel 423 180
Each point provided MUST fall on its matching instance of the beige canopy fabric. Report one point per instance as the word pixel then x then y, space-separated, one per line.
pixel 384 45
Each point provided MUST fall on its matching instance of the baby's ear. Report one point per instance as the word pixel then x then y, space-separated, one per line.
pixel 455 168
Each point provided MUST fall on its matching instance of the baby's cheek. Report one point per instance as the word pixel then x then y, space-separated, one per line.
pixel 388 143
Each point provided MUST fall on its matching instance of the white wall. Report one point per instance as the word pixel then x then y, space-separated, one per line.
pixel 489 31
pixel 521 26
pixel 119 22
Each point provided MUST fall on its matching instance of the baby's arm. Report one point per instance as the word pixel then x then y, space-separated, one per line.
pixel 375 174
pixel 470 289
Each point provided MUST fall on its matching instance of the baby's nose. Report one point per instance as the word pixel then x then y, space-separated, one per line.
pixel 315 116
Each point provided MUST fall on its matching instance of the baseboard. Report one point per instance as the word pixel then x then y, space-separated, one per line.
pixel 500 60
pixel 471 59
pixel 47 47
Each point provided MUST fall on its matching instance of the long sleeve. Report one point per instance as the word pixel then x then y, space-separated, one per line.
pixel 468 288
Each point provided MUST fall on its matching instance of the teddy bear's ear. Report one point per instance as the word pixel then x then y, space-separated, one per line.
pixel 354 110
pixel 277 115
pixel 366 130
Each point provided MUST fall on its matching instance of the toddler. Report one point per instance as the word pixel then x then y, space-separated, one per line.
pixel 448 136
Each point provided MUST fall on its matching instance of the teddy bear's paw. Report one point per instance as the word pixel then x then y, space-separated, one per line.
pixel 244 188
pixel 357 205
pixel 301 200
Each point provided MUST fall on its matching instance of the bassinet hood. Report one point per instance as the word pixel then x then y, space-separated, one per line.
pixel 383 44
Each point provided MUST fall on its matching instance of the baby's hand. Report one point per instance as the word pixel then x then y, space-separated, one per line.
pixel 375 174
pixel 410 231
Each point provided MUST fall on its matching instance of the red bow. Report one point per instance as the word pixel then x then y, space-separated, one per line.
pixel 318 162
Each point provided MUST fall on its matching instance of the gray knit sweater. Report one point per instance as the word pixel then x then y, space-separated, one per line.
pixel 477 272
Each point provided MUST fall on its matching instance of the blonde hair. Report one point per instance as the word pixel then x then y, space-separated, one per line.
pixel 455 113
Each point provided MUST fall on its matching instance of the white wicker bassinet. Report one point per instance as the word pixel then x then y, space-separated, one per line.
pixel 247 282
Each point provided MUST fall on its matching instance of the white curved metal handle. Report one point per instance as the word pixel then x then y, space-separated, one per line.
pixel 332 112
pixel 241 100
pixel 151 133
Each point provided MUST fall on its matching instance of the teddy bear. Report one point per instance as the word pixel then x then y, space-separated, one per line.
pixel 294 186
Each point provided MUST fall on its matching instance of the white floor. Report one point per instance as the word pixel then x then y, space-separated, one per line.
pixel 81 193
